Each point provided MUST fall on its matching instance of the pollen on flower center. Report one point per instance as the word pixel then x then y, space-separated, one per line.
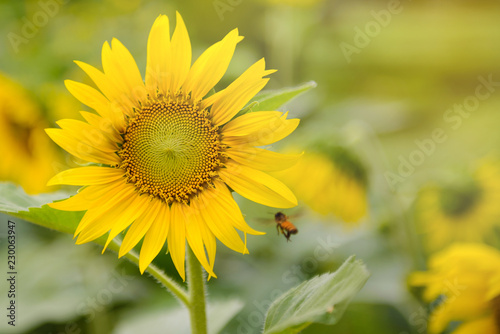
pixel 171 150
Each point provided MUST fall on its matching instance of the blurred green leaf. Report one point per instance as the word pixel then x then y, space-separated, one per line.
pixel 58 282
pixel 273 99
pixel 15 202
pixel 176 320
pixel 322 299
pixel 14 199
pixel 221 312
pixel 384 317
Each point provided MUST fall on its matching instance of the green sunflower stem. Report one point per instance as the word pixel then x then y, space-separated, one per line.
pixel 169 283
pixel 157 273
pixel 196 285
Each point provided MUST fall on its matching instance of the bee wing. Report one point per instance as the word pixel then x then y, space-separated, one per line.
pixel 265 221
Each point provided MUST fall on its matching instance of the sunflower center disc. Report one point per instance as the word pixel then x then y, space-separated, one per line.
pixel 171 150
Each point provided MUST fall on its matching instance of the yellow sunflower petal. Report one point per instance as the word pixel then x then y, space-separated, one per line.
pixel 78 202
pixel 159 57
pixel 88 134
pixel 222 198
pixel 209 68
pixel 225 109
pixel 210 244
pixel 486 324
pixel 155 237
pixel 127 216
pixel 101 223
pixel 95 231
pixel 85 197
pixel 220 227
pixel 252 122
pixel 103 124
pixel 140 227
pixel 88 96
pixel 207 235
pixel 257 186
pixel 114 197
pixel 95 100
pixel 232 99
pixel 258 128
pixel 90 175
pixel 195 239
pixel 80 149
pixel 110 89
pixel 109 67
pixel 177 238
pixel 254 72
pixel 181 55
pixel 123 68
pixel 261 159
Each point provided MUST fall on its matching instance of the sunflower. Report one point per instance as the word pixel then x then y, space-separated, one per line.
pixel 463 211
pixel 330 179
pixel 166 154
pixel 464 281
pixel 26 151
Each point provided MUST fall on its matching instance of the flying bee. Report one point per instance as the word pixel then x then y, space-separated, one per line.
pixel 283 225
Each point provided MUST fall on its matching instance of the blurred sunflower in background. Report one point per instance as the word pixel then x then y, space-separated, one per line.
pixel 330 179
pixel 465 210
pixel 167 152
pixel 28 156
pixel 464 281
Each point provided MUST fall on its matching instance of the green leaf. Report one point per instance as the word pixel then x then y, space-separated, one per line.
pixel 57 279
pixel 14 199
pixel 322 299
pixel 386 318
pixel 176 320
pixel 221 312
pixel 273 99
pixel 15 202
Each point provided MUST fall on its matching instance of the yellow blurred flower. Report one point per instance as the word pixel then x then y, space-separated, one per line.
pixel 330 181
pixel 465 281
pixel 28 155
pixel 465 212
